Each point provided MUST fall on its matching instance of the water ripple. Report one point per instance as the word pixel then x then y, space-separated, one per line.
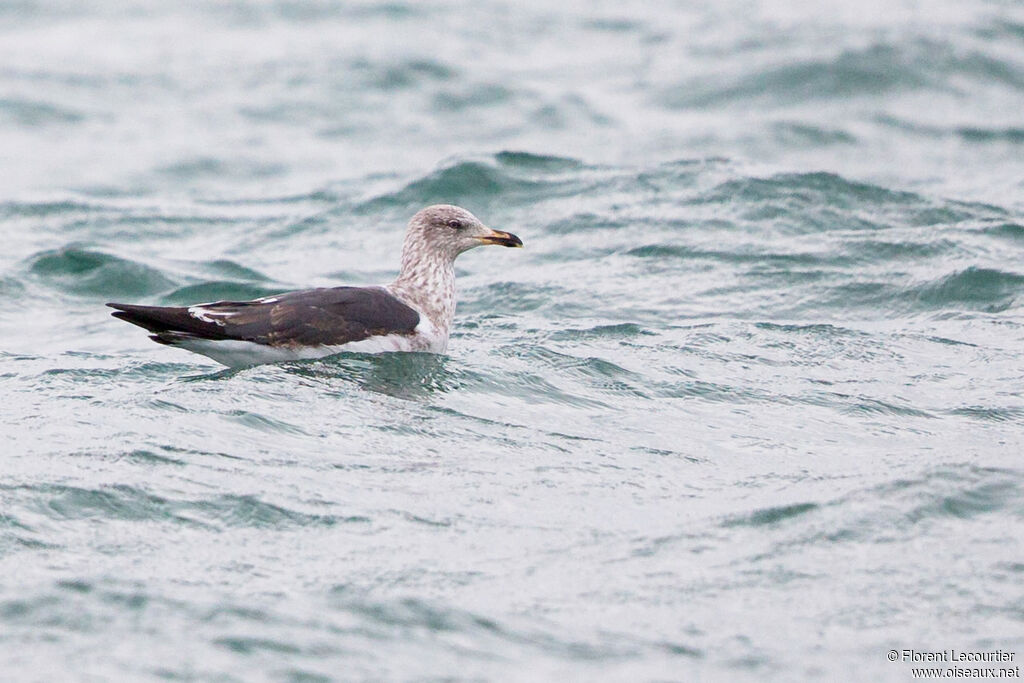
pixel 85 272
pixel 128 503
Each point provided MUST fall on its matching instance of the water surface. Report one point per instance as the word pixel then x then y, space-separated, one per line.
pixel 748 405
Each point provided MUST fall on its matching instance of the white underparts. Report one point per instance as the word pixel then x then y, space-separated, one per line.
pixel 238 354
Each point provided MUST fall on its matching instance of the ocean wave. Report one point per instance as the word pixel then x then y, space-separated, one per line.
pixel 475 182
pixel 879 69
pixel 132 504
pixel 974 288
pixel 217 291
pixel 36 113
pixel 85 271
pixel 772 515
pixel 968 133
pixel 943 498
pixel 960 492
pixel 835 294
pixel 990 413
pixel 62 208
pixel 195 168
pixel 809 189
pixel 405 617
pixel 597 375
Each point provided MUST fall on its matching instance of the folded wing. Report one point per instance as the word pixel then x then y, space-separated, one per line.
pixel 315 317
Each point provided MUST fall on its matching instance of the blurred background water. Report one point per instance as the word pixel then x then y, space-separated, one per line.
pixel 748 405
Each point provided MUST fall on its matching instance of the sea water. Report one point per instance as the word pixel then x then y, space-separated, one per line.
pixel 748 406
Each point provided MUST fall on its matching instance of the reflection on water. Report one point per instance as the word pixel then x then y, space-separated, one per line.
pixel 410 376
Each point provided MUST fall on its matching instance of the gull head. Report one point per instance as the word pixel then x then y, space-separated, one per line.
pixel 450 230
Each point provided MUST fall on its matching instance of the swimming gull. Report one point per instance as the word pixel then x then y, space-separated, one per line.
pixel 413 313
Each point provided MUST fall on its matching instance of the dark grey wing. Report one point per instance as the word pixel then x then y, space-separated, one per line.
pixel 313 317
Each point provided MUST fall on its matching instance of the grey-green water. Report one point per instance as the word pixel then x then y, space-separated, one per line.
pixel 748 405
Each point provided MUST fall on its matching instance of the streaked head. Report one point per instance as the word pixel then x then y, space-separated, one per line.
pixel 452 230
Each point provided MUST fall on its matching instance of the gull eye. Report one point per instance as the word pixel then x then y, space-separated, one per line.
pixel 455 224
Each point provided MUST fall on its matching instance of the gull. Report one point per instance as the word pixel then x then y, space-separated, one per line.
pixel 413 313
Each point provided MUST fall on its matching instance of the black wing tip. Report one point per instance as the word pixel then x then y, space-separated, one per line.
pixel 128 312
pixel 168 324
pixel 141 321
pixel 125 308
pixel 146 317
